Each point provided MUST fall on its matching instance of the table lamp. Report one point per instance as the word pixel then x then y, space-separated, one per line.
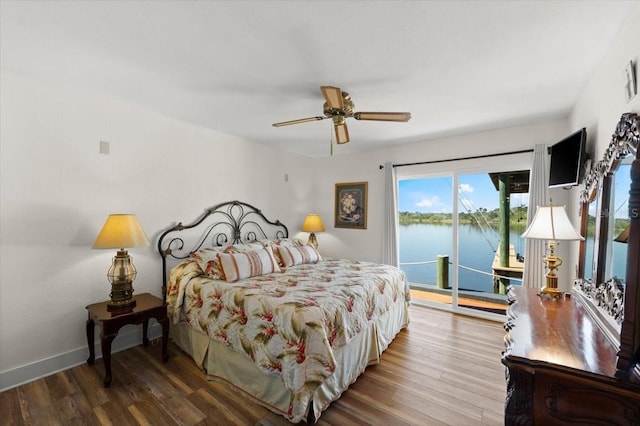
pixel 312 223
pixel 623 237
pixel 120 231
pixel 551 223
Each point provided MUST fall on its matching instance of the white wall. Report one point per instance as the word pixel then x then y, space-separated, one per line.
pixel 57 190
pixel 602 101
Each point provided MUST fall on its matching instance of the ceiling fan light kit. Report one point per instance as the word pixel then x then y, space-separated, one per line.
pixel 338 106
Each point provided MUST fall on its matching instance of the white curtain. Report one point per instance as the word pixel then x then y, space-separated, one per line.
pixel 390 231
pixel 534 249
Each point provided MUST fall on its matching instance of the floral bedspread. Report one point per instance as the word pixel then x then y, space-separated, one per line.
pixel 288 323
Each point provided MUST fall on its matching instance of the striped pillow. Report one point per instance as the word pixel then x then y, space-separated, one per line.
pixel 208 260
pixel 293 255
pixel 237 266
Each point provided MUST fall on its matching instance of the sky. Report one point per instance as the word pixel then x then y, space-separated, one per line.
pixel 621 182
pixel 434 195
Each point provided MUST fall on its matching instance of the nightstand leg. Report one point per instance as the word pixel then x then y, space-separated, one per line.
pixel 145 328
pixel 164 322
pixel 90 341
pixel 106 357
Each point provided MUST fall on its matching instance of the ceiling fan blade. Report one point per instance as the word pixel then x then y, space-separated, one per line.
pixel 333 96
pixel 383 116
pixel 342 133
pixel 298 121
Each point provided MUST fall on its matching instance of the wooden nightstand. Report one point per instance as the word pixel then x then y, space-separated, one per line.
pixel 147 306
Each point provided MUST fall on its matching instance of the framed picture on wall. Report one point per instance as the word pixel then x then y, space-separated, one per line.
pixel 351 205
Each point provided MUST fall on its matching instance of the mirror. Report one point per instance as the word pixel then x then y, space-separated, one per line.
pixel 587 262
pixel 593 227
pixel 618 227
pixel 604 214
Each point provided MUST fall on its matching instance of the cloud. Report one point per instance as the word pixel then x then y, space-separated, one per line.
pixel 428 202
pixel 465 187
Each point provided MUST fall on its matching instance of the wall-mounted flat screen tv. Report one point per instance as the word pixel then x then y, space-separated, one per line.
pixel 567 160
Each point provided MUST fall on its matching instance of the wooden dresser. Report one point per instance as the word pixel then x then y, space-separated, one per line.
pixel 561 368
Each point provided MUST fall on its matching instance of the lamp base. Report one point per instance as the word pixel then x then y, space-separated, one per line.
pixel 121 296
pixel 313 241
pixel 551 293
pixel 120 307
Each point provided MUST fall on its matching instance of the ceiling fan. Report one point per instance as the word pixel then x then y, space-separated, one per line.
pixel 339 106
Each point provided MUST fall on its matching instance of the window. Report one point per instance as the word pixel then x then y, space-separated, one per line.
pixel 450 228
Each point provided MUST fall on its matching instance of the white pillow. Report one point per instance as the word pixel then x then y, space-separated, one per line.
pixel 237 266
pixel 297 255
pixel 207 257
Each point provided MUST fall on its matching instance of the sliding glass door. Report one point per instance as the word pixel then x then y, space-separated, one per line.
pixel 492 214
pixel 425 235
pixel 459 237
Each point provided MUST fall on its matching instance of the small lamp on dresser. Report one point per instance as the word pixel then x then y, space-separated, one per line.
pixel 551 223
pixel 623 237
pixel 121 231
pixel 313 223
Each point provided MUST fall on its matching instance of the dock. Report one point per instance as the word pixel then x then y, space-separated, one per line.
pixel 497 306
pixel 502 274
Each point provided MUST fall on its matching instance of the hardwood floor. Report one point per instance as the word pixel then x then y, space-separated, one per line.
pixel 443 370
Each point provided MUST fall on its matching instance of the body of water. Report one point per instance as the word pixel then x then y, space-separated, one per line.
pixel 424 242
pixel 618 260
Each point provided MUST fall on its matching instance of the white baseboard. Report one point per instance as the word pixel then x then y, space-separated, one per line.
pixel 46 367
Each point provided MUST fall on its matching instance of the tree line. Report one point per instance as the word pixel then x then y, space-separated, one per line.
pixel 516 214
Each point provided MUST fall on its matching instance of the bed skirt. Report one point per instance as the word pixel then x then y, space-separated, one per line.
pixel 224 365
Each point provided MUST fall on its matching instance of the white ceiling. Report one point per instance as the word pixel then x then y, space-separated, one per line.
pixel 239 66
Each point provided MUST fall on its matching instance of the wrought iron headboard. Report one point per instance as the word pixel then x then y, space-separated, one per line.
pixel 227 223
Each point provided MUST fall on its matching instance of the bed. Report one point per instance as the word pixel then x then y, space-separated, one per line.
pixel 270 317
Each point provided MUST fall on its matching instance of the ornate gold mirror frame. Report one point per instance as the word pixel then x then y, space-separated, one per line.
pixel 613 305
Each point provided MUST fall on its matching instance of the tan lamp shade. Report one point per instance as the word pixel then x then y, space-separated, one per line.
pixel 623 237
pixel 121 231
pixel 313 223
